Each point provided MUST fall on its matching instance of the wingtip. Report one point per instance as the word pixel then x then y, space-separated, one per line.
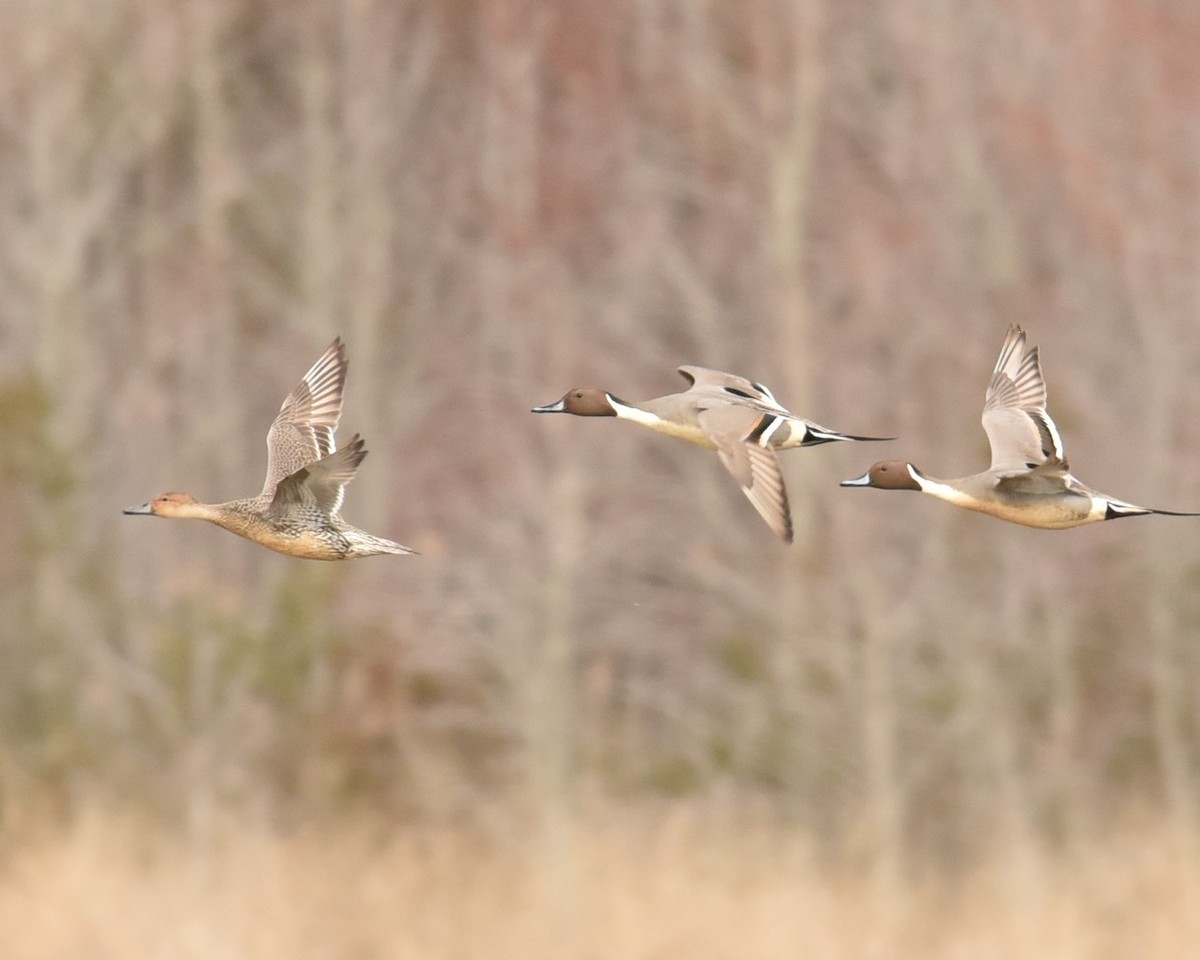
pixel 357 449
pixel 336 352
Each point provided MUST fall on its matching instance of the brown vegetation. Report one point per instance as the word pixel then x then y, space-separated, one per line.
pixel 492 202
pixel 673 882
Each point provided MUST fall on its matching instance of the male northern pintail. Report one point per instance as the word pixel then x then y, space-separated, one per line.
pixel 738 418
pixel 297 511
pixel 1028 481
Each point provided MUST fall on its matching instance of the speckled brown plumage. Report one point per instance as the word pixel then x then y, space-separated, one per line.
pixel 298 511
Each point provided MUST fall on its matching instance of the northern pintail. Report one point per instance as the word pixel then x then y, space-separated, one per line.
pixel 738 418
pixel 1028 481
pixel 297 511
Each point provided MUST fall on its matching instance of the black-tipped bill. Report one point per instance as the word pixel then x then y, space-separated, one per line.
pixel 863 481
pixel 143 510
pixel 556 407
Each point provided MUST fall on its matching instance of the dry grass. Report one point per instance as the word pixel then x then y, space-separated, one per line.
pixel 623 885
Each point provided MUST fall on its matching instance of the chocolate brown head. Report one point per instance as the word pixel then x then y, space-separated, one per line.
pixel 888 475
pixel 582 402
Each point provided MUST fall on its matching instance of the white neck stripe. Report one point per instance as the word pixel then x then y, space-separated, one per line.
pixel 626 412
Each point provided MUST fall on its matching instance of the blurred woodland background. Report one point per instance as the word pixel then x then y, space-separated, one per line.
pixel 605 713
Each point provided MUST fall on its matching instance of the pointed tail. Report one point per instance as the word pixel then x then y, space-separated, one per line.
pixel 816 434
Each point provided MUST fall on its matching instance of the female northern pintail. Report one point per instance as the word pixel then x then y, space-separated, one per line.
pixel 738 418
pixel 1028 481
pixel 297 511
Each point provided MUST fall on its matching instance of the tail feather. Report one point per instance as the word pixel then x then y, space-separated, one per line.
pixel 815 435
pixel 363 544
pixel 1117 509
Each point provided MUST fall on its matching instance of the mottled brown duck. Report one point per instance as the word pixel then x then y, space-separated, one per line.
pixel 298 511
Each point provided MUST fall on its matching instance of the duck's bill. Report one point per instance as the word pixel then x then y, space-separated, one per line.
pixel 556 407
pixel 143 510
pixel 863 481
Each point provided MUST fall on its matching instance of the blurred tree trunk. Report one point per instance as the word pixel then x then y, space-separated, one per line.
pixel 324 127
pixel 1172 712
pixel 1068 795
pixel 211 351
pixel 1006 733
pixel 372 122
pixel 515 33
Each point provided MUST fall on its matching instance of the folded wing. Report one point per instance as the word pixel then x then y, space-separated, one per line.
pixel 320 485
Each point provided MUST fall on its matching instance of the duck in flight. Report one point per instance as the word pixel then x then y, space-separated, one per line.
pixel 298 511
pixel 1029 481
pixel 736 417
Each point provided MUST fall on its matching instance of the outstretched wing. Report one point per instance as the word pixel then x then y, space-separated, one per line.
pixel 730 385
pixel 1019 429
pixel 754 466
pixel 303 431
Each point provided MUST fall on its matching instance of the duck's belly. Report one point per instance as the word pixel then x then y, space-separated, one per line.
pixel 293 540
pixel 1044 513
pixel 684 431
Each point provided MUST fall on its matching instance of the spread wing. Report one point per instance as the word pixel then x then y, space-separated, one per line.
pixel 754 467
pixel 320 484
pixel 730 386
pixel 303 431
pixel 1019 429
